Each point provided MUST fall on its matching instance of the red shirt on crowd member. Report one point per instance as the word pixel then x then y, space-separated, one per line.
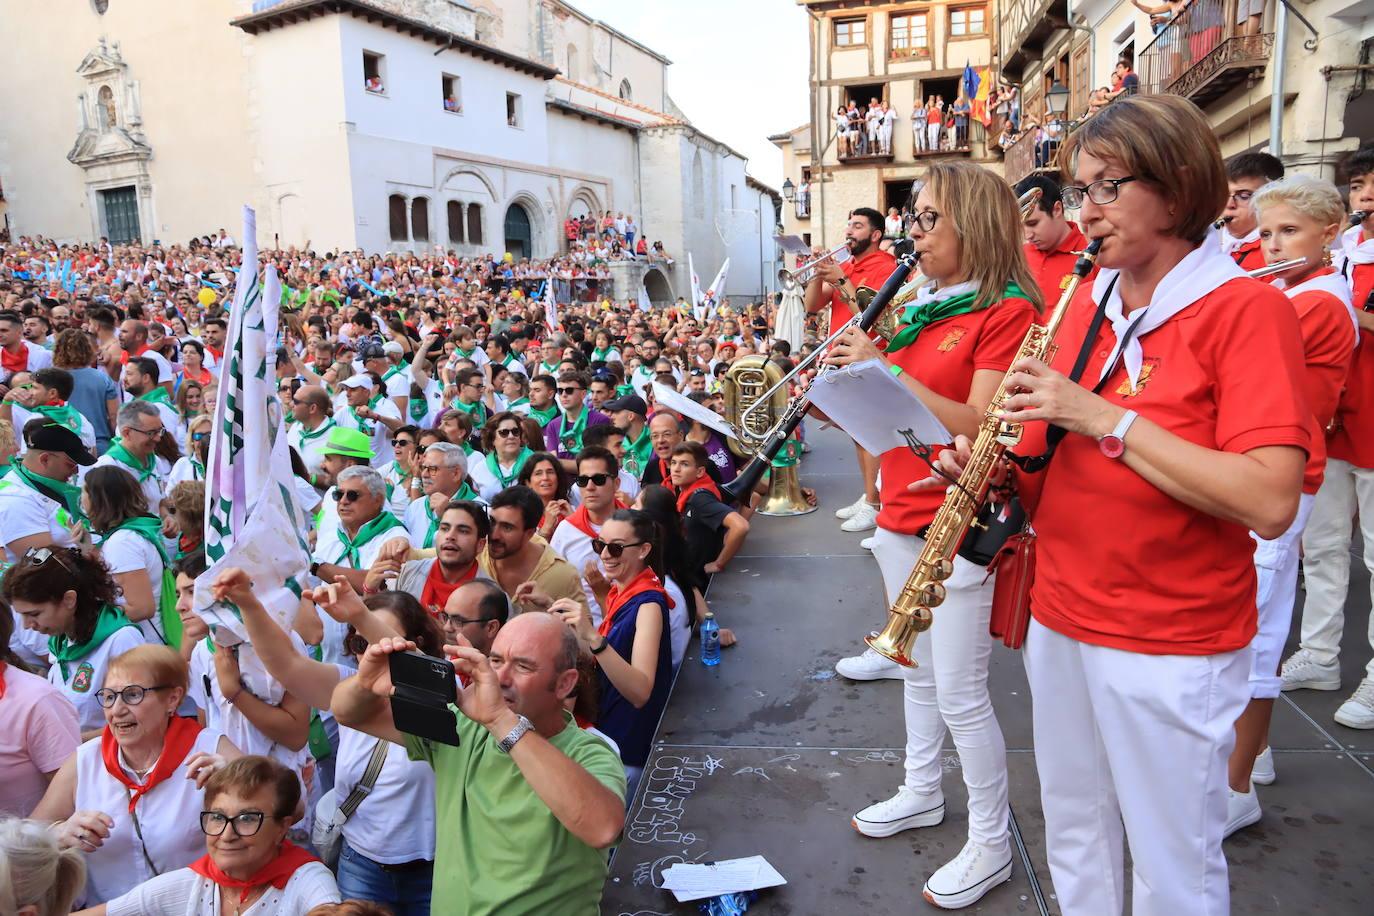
pixel 1248 256
pixel 1098 579
pixel 1051 269
pixel 944 358
pixel 1353 438
pixel 870 269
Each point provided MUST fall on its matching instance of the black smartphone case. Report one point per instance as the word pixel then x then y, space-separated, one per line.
pixel 420 703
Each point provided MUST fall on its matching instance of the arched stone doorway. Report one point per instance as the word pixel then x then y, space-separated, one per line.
pixel 657 286
pixel 519 236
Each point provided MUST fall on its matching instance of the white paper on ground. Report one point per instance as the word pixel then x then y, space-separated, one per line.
pixel 678 402
pixel 871 404
pixel 693 882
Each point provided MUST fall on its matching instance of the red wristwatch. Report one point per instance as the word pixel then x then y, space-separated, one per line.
pixel 1113 445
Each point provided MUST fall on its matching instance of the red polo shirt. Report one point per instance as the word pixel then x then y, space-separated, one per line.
pixel 1353 440
pixel 1328 343
pixel 1249 256
pixel 1051 269
pixel 870 270
pixel 1122 564
pixel 944 358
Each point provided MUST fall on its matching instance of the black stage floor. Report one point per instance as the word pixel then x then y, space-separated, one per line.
pixel 771 753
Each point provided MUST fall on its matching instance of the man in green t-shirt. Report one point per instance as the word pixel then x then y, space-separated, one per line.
pixel 528 802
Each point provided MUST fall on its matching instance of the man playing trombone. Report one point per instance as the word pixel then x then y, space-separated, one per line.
pixel 836 285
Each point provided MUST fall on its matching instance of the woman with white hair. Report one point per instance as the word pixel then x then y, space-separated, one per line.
pixel 1299 218
pixel 37 877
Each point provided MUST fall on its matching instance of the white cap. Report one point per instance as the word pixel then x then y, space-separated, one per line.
pixel 392 348
pixel 361 380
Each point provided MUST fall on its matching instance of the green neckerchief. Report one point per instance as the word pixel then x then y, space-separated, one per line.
pixel 58 490
pixel 518 402
pixel 119 453
pixel 394 370
pixel 363 426
pixel 474 410
pixel 639 452
pixel 571 439
pixel 622 390
pixel 63 414
pixel 197 470
pixel 310 435
pixel 64 650
pixel 150 529
pixel 916 318
pixel 467 447
pixel 290 417
pixel 158 395
pixel 546 369
pixel 465 492
pixel 465 354
pixel 418 408
pixel 544 415
pixel 495 467
pixel 510 358
pixel 351 546
pixel 599 355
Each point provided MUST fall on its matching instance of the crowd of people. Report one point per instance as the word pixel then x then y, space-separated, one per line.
pixel 478 484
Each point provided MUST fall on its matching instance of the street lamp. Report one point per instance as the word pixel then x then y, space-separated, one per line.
pixel 788 189
pixel 1057 99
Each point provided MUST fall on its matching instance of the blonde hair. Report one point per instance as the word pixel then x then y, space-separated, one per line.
pixel 1316 199
pixel 7 442
pixel 983 210
pixel 162 663
pixel 1164 141
pixel 34 871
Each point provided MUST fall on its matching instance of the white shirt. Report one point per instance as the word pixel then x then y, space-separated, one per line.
pixel 80 679
pixel 625 483
pixel 39 358
pixel 171 833
pixel 182 471
pixel 329 549
pixel 25 512
pixel 152 487
pixel 310 444
pixel 395 822
pixel 382 452
pixel 185 893
pixel 573 545
pixel 679 633
pixel 125 551
pixel 20 416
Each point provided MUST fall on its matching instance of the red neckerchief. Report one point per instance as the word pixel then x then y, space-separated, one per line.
pixel 704 482
pixel 204 377
pixel 663 472
pixel 583 522
pixel 125 354
pixel 3 666
pixel 277 873
pixel 434 596
pixel 56 402
pixel 217 354
pixel 646 581
pixel 15 362
pixel 181 735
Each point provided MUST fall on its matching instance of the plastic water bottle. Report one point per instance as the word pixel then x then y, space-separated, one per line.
pixel 710 640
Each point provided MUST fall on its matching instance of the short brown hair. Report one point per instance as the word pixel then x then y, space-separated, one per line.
pixel 188 499
pixel 1165 141
pixel 693 448
pixel 246 775
pixel 114 497
pixel 162 663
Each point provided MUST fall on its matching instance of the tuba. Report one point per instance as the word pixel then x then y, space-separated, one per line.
pixel 749 379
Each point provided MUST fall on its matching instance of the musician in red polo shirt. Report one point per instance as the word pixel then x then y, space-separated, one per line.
pixel 1052 241
pixel 836 285
pixel 1246 174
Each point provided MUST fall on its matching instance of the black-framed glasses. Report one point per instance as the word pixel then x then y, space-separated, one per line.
pixel 150 433
pixel 599 480
pixel 570 390
pixel 927 219
pixel 599 547
pixel 509 432
pixel 458 620
pixel 1241 197
pixel 248 823
pixel 347 496
pixel 1101 192
pixel 131 695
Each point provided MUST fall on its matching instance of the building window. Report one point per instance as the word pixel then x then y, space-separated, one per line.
pixel 851 32
pixel 453 93
pixel 625 90
pixel 374 72
pixel 968 21
pixel 474 224
pixel 455 222
pixel 698 186
pixel 419 219
pixel 396 217
pixel 910 35
pixel 572 62
pixel 513 113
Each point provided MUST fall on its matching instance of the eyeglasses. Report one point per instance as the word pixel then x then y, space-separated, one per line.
pixel 212 823
pixel 595 479
pixel 199 437
pixel 458 620
pixel 508 432
pixel 431 468
pixel 1242 197
pixel 150 433
pixel 1101 192
pixel 347 496
pixel 615 550
pixel 132 695
pixel 927 219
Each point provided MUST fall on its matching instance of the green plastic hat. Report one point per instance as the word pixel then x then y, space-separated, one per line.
pixel 350 443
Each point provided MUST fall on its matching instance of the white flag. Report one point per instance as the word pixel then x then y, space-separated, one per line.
pixel 644 304
pixel 251 517
pixel 716 291
pixel 696 284
pixel 550 306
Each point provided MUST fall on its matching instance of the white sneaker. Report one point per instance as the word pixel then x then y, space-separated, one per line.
pixel 849 510
pixel 902 811
pixel 1302 671
pixel 865 519
pixel 1242 810
pixel 870 666
pixel 867 544
pixel 1358 711
pixel 967 877
pixel 1263 771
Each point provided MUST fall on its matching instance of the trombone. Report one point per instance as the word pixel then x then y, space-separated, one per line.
pixel 791 279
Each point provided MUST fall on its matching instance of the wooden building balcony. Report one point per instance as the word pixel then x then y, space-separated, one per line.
pixel 1201 55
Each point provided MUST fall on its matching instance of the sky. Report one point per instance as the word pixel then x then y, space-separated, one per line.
pixel 739 68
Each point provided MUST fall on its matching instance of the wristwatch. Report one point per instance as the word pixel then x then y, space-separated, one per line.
pixel 516 733
pixel 1113 445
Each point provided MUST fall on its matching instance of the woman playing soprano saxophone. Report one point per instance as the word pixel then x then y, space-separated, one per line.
pixel 1144 594
pixel 953 347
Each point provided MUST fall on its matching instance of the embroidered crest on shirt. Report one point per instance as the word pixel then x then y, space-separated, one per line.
pixel 952 339
pixel 1147 369
pixel 81 681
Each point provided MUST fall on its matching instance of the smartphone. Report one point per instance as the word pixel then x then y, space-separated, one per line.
pixel 424 688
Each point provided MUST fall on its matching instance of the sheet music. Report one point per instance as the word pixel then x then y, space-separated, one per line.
pixel 678 402
pixel 867 401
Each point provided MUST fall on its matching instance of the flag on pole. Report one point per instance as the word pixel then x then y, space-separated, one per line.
pixel 252 520
pixel 714 292
pixel 696 283
pixel 550 306
pixel 644 304
pixel 978 99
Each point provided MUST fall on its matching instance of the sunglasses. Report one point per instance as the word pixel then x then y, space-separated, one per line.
pixel 347 496
pixel 508 432
pixel 199 437
pixel 615 550
pixel 572 390
pixel 37 556
pixel 597 479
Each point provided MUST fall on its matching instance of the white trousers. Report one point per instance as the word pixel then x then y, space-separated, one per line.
pixel 1276 591
pixel 918 135
pixel 1345 491
pixel 949 689
pixel 1133 746
pixel 933 136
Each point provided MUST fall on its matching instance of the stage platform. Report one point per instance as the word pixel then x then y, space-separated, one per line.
pixel 771 753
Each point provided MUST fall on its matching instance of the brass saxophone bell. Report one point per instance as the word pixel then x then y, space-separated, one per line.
pixel 898 637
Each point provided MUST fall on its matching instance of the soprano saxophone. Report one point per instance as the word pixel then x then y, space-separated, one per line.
pixel 911 614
